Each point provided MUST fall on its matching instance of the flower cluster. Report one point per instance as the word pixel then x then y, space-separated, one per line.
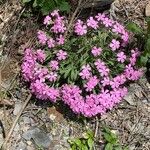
pixel 87 71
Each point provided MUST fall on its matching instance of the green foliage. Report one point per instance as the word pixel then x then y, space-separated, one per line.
pixel 143 38
pixel 45 6
pixel 84 143
pixel 112 142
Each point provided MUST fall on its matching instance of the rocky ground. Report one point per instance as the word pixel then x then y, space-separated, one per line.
pixel 42 124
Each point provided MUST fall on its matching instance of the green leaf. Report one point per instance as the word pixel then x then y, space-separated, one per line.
pixel 90 143
pixel 67 72
pixel 109 146
pixel 64 6
pixel 35 3
pixel 148 25
pixel 147 45
pixel 84 147
pixel 118 147
pixel 143 60
pixel 90 133
pixel 78 142
pixel 109 138
pixel 47 6
pixel 73 147
pixel 70 141
pixel 134 28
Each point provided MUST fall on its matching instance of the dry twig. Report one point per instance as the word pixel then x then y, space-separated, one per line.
pixel 15 122
pixel 96 127
pixel 73 17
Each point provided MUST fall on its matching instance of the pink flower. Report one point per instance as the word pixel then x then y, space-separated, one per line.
pixel 59 25
pixel 86 72
pixel 28 65
pixel 107 22
pixel 55 13
pixel 40 54
pixel 92 23
pixel 121 57
pixel 61 55
pixel 80 28
pixel 60 40
pixel 105 81
pixel 54 65
pixel 118 28
pixel 47 20
pixel 91 83
pixel 117 81
pixel 114 45
pixel 51 43
pixel 99 88
pixel 52 76
pixel 96 51
pixel 101 67
pixel 42 37
pixel 132 74
pixel 100 17
pixel 125 36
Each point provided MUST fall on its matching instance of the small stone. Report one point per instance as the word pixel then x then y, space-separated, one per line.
pixel 147 10
pixel 130 99
pixel 52 117
pixel 17 108
pixel 29 142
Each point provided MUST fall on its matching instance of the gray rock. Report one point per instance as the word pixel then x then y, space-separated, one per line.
pixel 28 134
pixel 17 108
pixel 40 138
pixel 130 99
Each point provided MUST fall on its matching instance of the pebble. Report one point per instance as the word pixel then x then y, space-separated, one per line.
pixel 130 99
pixel 17 108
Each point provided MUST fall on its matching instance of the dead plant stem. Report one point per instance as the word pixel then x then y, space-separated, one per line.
pixel 15 122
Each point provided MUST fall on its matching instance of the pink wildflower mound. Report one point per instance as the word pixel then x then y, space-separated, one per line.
pixel 87 70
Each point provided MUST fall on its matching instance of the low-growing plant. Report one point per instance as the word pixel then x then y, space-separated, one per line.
pixel 45 6
pixel 112 141
pixel 143 40
pixel 87 69
pixel 84 143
